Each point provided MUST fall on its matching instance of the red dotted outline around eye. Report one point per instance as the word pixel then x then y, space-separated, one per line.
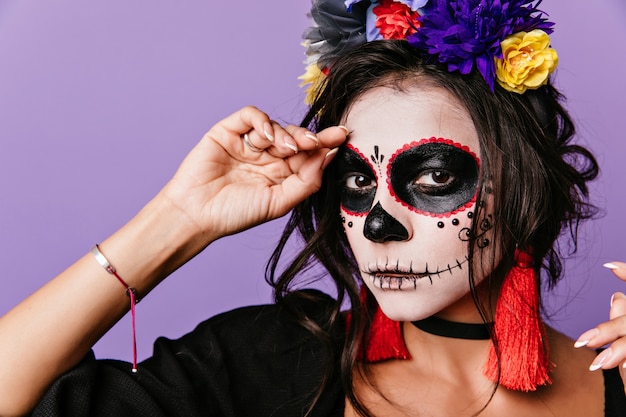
pixel 360 154
pixel 415 144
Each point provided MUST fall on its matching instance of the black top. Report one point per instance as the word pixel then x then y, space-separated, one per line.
pixel 253 361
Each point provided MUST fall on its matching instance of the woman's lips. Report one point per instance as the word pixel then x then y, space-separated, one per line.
pixel 395 281
pixel 398 279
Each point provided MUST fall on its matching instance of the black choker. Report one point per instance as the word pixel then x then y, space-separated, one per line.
pixel 445 328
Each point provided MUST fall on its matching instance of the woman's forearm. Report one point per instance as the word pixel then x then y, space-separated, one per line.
pixel 55 327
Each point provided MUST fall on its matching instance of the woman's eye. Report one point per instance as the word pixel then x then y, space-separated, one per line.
pixel 360 182
pixel 434 178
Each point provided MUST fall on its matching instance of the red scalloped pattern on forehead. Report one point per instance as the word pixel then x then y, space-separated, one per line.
pixel 424 141
pixel 369 164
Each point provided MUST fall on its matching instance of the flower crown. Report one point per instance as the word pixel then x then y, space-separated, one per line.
pixel 505 40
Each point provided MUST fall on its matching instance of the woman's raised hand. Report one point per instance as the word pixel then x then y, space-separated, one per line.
pixel 246 170
pixel 249 169
pixel 612 332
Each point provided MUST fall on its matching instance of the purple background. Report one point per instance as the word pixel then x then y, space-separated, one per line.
pixel 100 101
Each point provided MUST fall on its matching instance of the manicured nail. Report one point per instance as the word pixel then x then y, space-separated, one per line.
pixel 267 131
pixel 291 145
pixel 617 295
pixel 610 266
pixel 345 129
pixel 313 138
pixel 329 157
pixel 601 359
pixel 586 337
pixel 581 343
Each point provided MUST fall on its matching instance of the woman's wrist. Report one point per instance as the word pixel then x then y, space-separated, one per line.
pixel 152 245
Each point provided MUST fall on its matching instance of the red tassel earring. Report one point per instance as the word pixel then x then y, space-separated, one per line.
pixel 385 339
pixel 523 361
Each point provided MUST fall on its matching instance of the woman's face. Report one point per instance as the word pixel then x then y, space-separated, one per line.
pixel 409 176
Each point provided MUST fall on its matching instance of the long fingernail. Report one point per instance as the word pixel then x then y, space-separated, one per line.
pixel 313 138
pixel 610 265
pixel 267 131
pixel 601 359
pixel 329 157
pixel 615 296
pixel 344 128
pixel 291 145
pixel 581 343
pixel 586 338
pixel 612 297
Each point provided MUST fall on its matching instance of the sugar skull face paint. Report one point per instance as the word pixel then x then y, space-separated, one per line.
pixel 409 180
pixel 434 176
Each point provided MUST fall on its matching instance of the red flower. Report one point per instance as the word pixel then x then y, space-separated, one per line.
pixel 395 20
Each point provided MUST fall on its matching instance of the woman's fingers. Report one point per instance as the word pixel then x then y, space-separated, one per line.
pixel 246 119
pixel 292 140
pixel 618 268
pixel 297 146
pixel 603 333
pixel 289 140
pixel 245 132
pixel 314 153
pixel 256 132
pixel 612 332
pixel 249 169
pixel 618 305
pixel 304 181
pixel 254 142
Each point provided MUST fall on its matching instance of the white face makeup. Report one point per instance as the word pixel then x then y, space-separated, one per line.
pixel 410 175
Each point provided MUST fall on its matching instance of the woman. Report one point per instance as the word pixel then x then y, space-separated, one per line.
pixel 449 192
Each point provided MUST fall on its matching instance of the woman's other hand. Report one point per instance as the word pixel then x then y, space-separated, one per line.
pixel 612 332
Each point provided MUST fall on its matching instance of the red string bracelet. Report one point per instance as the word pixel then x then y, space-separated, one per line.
pixel 130 291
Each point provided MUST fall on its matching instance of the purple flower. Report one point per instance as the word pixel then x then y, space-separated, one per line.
pixel 468 33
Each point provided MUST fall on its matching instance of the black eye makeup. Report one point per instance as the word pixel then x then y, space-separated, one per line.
pixel 358 181
pixel 434 176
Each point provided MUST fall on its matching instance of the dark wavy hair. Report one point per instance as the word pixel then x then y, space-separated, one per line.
pixel 536 177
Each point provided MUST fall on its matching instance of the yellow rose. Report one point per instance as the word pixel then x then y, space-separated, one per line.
pixel 315 77
pixel 527 61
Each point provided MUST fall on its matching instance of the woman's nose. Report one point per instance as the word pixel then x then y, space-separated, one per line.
pixel 381 226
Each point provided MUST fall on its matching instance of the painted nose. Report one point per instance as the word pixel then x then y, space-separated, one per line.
pixel 381 227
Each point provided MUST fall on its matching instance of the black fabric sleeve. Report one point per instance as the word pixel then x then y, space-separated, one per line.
pixel 254 361
pixel 614 397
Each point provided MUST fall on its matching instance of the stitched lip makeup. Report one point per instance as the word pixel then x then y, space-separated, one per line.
pixel 398 279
